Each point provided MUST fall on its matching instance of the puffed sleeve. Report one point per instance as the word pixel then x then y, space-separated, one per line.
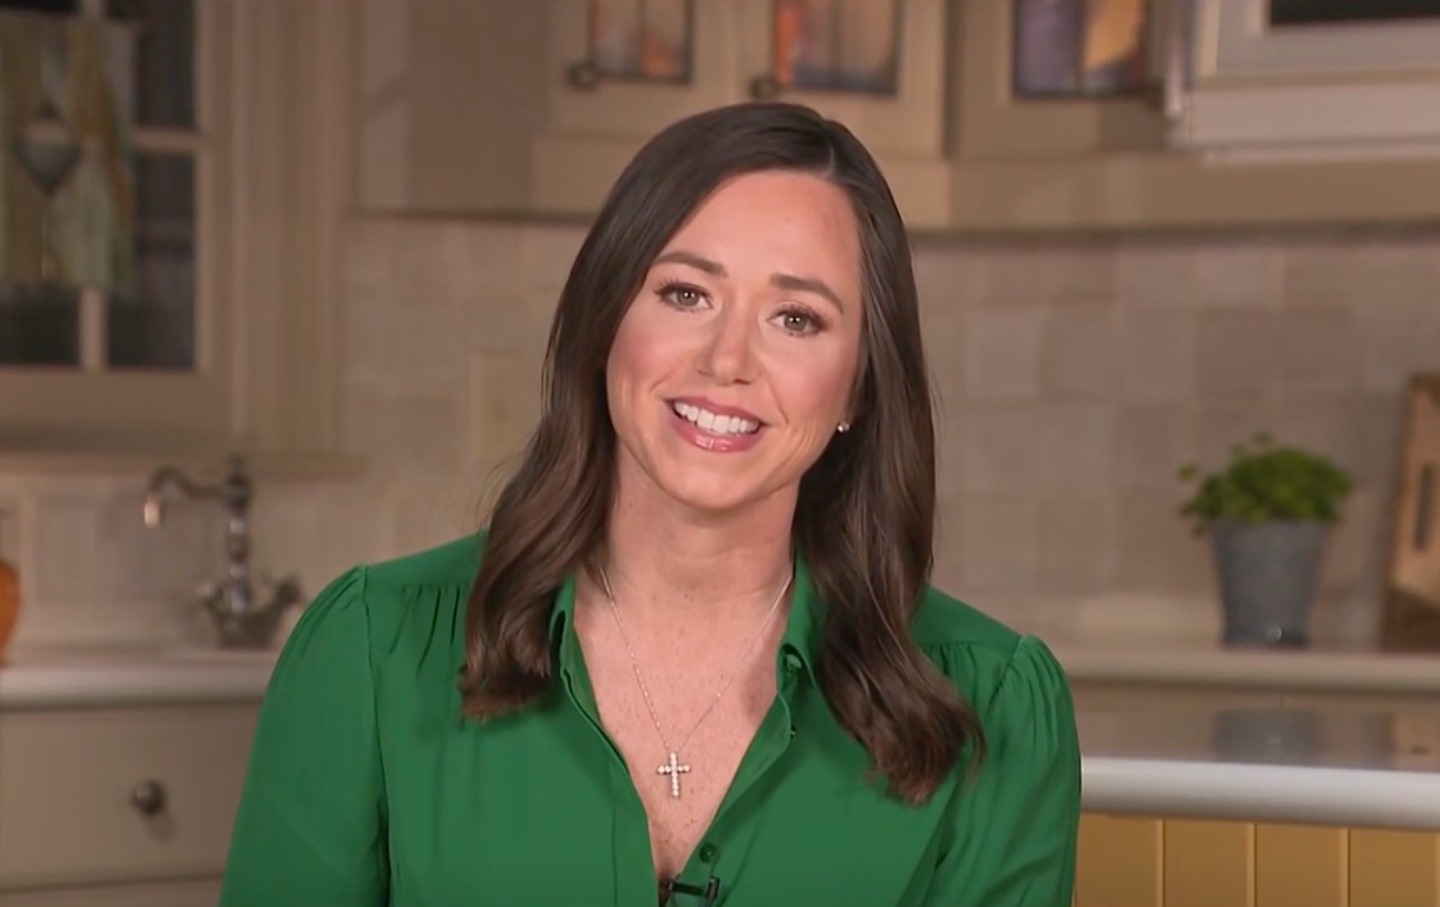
pixel 310 830
pixel 1017 819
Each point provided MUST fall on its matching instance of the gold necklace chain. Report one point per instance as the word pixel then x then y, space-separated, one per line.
pixel 672 766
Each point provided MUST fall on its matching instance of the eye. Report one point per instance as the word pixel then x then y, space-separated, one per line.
pixel 800 322
pixel 682 295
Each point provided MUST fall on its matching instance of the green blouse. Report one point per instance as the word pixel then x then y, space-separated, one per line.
pixel 366 787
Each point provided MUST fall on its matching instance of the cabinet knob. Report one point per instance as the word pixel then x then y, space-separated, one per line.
pixel 148 797
pixel 765 88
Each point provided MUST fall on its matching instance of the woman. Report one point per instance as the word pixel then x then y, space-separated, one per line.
pixel 696 646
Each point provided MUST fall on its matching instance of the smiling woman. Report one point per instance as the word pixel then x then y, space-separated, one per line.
pixel 699 655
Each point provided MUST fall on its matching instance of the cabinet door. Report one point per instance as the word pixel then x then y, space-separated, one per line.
pixel 628 68
pixel 878 66
pixel 620 71
pixel 90 797
pixel 215 329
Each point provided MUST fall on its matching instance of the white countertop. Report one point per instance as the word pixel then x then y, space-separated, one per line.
pixel 1334 761
pixel 98 677
pixel 1195 662
pixel 1327 761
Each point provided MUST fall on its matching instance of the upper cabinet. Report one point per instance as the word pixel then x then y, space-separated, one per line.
pixel 1284 79
pixel 621 70
pixel 169 209
pixel 1249 116
pixel 985 115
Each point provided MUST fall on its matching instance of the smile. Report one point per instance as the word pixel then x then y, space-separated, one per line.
pixel 714 423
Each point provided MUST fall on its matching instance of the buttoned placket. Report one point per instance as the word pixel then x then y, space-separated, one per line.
pixel 777 730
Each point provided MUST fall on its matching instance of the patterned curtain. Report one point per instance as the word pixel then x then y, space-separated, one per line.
pixel 64 83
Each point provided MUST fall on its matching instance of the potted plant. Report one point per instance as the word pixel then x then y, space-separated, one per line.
pixel 1268 514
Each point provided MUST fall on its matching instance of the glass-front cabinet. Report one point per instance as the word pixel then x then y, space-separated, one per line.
pixel 621 70
pixel 168 180
pixel 102 248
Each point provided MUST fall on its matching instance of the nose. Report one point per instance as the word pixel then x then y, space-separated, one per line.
pixel 728 354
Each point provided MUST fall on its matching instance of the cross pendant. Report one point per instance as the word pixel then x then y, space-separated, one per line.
pixel 674 768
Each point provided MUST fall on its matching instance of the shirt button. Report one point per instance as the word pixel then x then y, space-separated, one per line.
pixel 708 853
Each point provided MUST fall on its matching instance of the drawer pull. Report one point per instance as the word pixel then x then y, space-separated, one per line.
pixel 148 798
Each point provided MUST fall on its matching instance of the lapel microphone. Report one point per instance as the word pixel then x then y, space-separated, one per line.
pixel 710 891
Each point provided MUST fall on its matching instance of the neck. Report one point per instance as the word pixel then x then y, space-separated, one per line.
pixel 662 560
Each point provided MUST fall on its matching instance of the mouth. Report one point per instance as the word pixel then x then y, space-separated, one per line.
pixel 729 424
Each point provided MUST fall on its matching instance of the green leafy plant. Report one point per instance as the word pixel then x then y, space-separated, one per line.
pixel 1266 482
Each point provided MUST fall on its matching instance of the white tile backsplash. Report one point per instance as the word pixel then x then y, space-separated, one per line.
pixel 1073 378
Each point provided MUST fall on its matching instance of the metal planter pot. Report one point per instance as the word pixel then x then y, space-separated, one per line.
pixel 1268 573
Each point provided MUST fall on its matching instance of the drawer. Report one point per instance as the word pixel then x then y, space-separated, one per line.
pixel 193 893
pixel 67 785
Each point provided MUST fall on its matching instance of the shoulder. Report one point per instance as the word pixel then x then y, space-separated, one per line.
pixel 381 598
pixel 943 620
pixel 452 563
pixel 990 662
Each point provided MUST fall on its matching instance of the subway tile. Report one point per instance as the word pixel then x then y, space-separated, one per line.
pixel 503 406
pixel 547 254
pixel 950 276
pixel 1152 443
pixel 1399 339
pixel 1236 354
pixel 1001 450
pixel 1357 548
pixel 1078 449
pixel 1157 551
pixel 1081 355
pixel 1379 423
pixel 403 434
pixel 1220 427
pixel 1055 274
pixel 1220 274
pixel 1078 551
pixel 1325 424
pixel 1321 348
pixel 1002 350
pixel 1323 272
pixel 999 543
pixel 1158 356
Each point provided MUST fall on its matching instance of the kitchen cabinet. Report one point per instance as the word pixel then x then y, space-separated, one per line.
pixel 1148 861
pixel 120 805
pixel 1123 163
pixel 733 50
pixel 268 150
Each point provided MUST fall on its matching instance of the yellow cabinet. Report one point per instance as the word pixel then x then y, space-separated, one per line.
pixel 1128 861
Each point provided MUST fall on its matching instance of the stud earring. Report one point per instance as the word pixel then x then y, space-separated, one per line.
pixel 843 427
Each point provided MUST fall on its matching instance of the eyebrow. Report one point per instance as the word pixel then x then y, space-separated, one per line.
pixel 791 282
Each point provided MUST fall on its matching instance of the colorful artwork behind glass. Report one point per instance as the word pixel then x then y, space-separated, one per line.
pixel 1081 47
pixel 837 45
pixel 641 39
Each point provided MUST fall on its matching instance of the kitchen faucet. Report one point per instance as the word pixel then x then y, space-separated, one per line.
pixel 243 619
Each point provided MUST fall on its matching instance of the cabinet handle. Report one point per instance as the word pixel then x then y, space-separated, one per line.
pixel 765 88
pixel 148 798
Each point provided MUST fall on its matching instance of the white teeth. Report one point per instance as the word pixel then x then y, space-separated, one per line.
pixel 715 423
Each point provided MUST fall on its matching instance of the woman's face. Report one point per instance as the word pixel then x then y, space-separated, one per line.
pixel 734 365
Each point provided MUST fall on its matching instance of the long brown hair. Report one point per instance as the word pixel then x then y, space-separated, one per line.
pixel 865 514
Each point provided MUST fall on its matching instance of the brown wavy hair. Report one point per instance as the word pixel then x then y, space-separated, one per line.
pixel 865 513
